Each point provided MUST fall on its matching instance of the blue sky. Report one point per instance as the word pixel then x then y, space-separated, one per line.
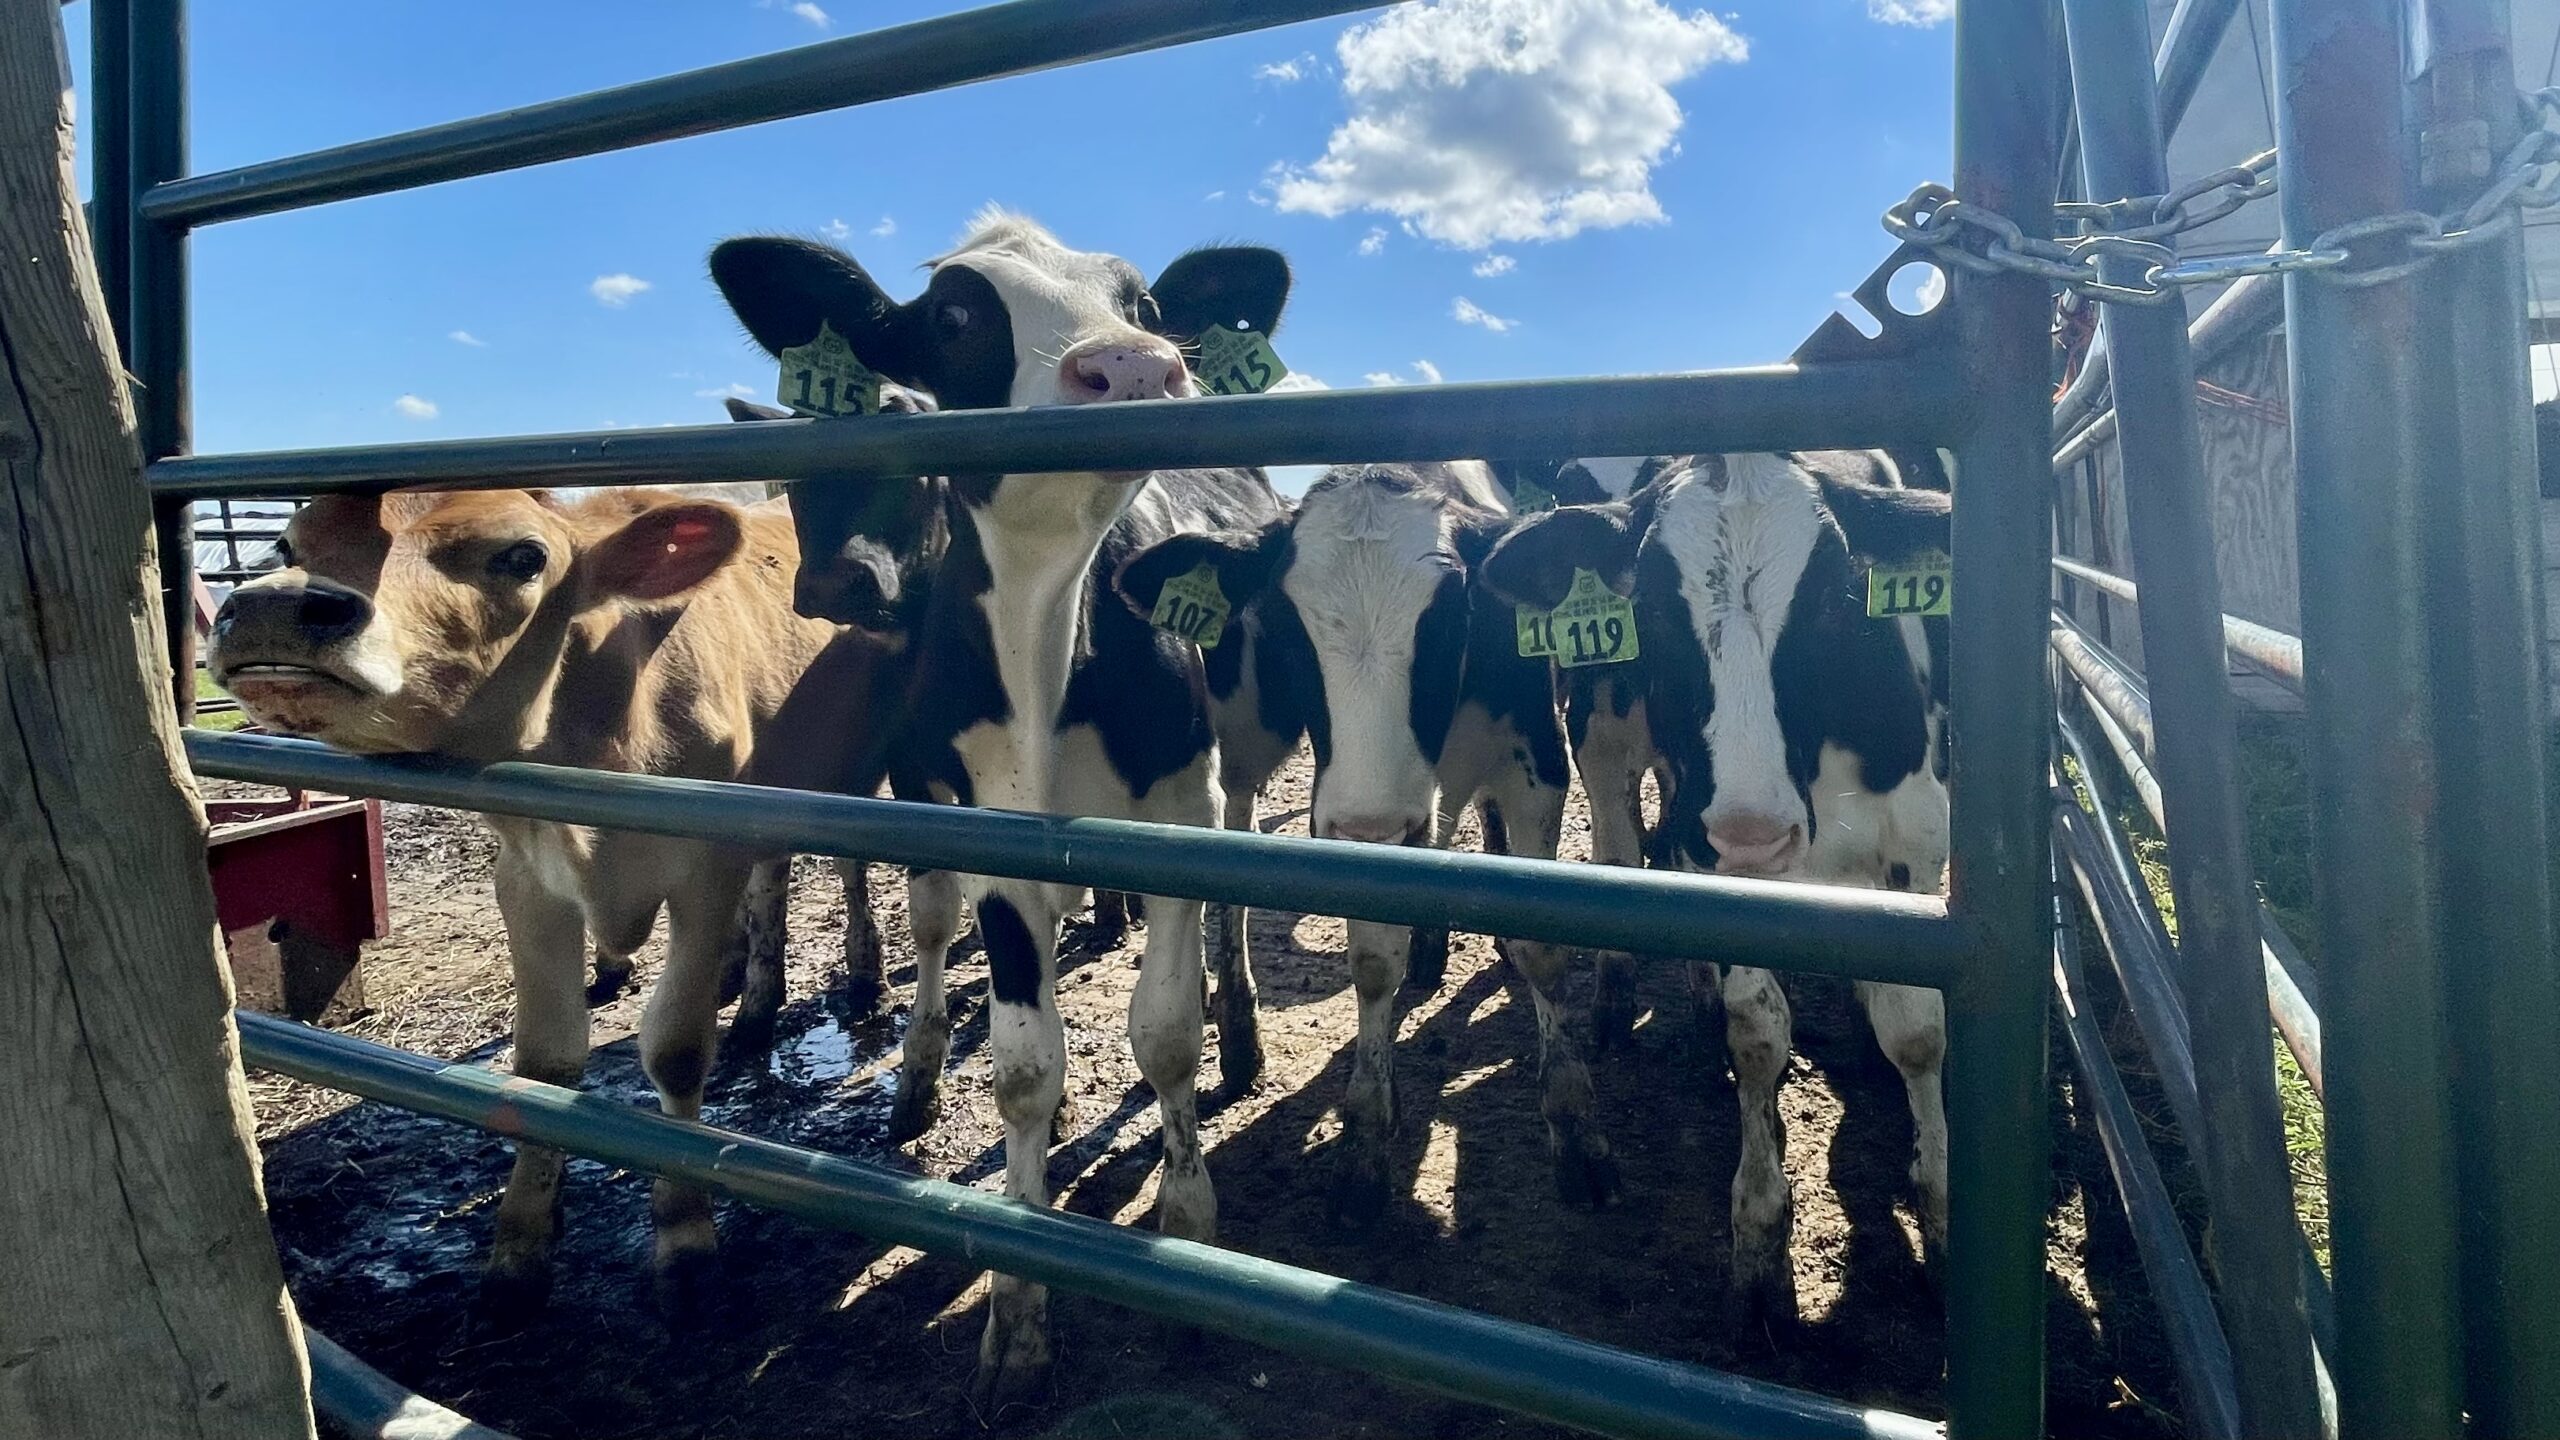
pixel 1472 189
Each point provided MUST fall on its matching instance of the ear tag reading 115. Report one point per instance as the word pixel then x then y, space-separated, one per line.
pixel 1193 607
pixel 1594 626
pixel 1236 362
pixel 823 378
pixel 1921 586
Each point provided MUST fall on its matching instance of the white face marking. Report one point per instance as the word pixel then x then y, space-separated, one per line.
pixel 1616 474
pixel 1054 298
pixel 1741 549
pixel 1368 562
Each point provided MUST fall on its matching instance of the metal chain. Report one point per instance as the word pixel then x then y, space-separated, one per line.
pixel 2375 250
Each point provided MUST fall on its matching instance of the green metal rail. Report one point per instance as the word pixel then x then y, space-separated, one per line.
pixel 1987 396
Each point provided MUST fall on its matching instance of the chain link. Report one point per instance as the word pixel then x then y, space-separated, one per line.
pixel 2375 250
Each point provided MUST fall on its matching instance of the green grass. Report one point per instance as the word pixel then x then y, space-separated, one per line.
pixel 217 719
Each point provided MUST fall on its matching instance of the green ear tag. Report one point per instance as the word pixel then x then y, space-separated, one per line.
pixel 823 378
pixel 1594 626
pixel 1236 362
pixel 1924 585
pixel 1193 607
pixel 1530 497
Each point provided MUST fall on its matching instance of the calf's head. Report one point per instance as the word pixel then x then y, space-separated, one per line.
pixel 411 621
pixel 1010 317
pixel 1748 574
pixel 1362 601
pixel 868 548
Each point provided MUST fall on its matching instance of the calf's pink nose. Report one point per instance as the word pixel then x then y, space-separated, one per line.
pixel 1753 844
pixel 1121 370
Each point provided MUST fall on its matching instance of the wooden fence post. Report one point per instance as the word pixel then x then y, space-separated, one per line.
pixel 139 1289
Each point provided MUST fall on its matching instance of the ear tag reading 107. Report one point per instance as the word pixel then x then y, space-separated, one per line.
pixel 1594 626
pixel 1236 362
pixel 1529 497
pixel 823 378
pixel 1922 586
pixel 1193 607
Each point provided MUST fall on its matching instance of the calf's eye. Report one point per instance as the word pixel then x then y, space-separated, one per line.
pixel 521 561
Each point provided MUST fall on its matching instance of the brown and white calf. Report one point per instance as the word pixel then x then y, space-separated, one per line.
pixel 625 631
pixel 1419 705
pixel 1803 740
pixel 1025 693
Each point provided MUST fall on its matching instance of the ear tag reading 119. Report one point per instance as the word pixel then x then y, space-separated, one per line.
pixel 823 378
pixel 1594 626
pixel 1236 362
pixel 1921 586
pixel 1193 607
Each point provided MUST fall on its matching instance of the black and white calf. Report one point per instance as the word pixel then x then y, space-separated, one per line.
pixel 1418 704
pixel 1026 693
pixel 1802 741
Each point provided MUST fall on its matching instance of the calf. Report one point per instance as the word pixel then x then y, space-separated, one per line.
pixel 627 631
pixel 1025 693
pixel 1802 739
pixel 1419 704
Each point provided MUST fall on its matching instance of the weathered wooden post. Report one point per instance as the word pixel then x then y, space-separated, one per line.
pixel 139 1289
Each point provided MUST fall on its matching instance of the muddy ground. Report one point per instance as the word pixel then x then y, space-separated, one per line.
pixel 383 1216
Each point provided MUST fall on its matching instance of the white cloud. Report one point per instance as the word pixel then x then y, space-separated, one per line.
pixel 1493 265
pixel 812 14
pixel 1483 121
pixel 1374 241
pixel 615 291
pixel 1299 380
pixel 732 390
pixel 1214 195
pixel 836 230
pixel 1428 373
pixel 415 408
pixel 1911 12
pixel 1468 312
pixel 1290 71
pixel 886 228
pixel 465 337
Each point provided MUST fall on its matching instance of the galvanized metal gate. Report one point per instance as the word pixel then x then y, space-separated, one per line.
pixel 1975 377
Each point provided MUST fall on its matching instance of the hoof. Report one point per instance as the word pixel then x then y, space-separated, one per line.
pixel 1586 1174
pixel 510 1301
pixel 859 998
pixel 1427 964
pixel 918 1107
pixel 1762 1305
pixel 1239 1047
pixel 1013 1369
pixel 611 980
pixel 750 1038
pixel 686 1289
pixel 1359 1193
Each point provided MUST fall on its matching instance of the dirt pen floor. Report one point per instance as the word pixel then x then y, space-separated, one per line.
pixel 383 1217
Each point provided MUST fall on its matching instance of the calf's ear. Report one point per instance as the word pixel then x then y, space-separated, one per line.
pixel 1534 564
pixel 1241 559
pixel 751 412
pixel 782 289
pixel 663 552
pixel 1224 285
pixel 1890 525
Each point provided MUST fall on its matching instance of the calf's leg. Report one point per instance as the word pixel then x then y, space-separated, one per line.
pixel 933 920
pixel 762 939
pixel 678 1035
pixel 1231 960
pixel 1758 1034
pixel 1019 923
pixel 1911 1027
pixel 1586 1173
pixel 1369 1106
pixel 866 975
pixel 546 936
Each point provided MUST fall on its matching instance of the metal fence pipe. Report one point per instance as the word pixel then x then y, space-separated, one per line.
pixel 1781 407
pixel 1872 934
pixel 2242 312
pixel 2367 488
pixel 935 54
pixel 2197 1347
pixel 2188 43
pixel 2293 998
pixel 354 1401
pixel 2142 965
pixel 2492 724
pixel 2008 84
pixel 111 162
pixel 1440 1348
pixel 2267 649
pixel 2111 682
pixel 156 304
